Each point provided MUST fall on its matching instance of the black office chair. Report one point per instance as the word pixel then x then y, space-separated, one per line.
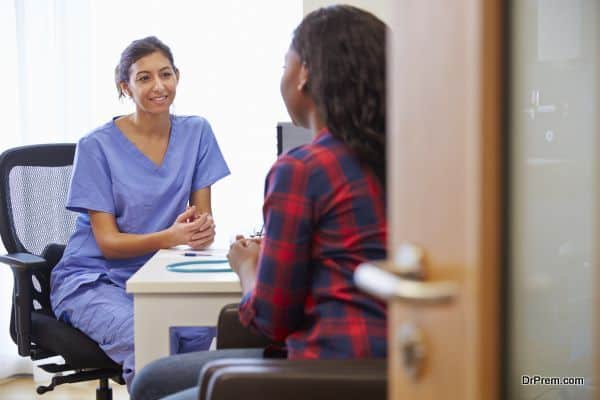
pixel 35 226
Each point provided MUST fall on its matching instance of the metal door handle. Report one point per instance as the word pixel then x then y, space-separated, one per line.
pixel 387 286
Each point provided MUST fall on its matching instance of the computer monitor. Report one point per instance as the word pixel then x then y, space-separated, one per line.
pixel 290 136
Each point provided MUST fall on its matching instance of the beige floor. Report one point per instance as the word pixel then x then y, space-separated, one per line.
pixel 23 388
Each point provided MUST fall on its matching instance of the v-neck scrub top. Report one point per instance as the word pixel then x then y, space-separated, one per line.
pixel 110 174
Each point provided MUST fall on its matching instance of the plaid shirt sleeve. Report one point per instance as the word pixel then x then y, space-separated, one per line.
pixel 276 306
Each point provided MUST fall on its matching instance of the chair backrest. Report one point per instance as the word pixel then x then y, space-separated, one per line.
pixel 35 181
pixel 290 136
pixel 33 219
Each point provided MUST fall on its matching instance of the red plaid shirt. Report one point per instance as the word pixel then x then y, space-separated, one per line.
pixel 324 214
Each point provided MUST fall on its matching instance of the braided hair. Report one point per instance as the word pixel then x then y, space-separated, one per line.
pixel 343 49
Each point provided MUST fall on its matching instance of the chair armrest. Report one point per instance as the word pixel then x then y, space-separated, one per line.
pixel 22 265
pixel 231 334
pixel 23 260
pixel 267 379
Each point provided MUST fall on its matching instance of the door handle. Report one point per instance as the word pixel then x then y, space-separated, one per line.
pixel 375 280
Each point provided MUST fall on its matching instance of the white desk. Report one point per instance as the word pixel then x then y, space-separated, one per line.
pixel 162 299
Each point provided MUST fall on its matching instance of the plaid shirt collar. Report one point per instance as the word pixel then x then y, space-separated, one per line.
pixel 321 135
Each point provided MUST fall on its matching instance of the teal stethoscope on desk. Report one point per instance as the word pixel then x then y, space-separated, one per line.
pixel 184 266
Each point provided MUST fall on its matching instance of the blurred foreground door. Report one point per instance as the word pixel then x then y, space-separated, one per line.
pixel 493 180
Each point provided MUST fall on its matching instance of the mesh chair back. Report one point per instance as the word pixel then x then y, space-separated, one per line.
pixel 33 219
pixel 35 181
pixel 38 196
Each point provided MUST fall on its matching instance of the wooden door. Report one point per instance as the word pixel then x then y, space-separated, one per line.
pixel 456 191
pixel 445 115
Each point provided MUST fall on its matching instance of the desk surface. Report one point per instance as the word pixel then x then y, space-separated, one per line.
pixel 154 277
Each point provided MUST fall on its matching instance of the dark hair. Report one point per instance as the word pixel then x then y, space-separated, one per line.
pixel 343 49
pixel 136 50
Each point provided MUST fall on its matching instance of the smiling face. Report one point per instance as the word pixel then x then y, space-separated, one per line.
pixel 152 83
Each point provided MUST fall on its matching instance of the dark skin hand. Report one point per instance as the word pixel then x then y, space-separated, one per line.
pixel 243 259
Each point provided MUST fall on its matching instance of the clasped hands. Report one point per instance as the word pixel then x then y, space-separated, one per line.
pixel 195 230
pixel 243 259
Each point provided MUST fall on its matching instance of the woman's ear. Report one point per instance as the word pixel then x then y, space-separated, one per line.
pixel 303 77
pixel 177 74
pixel 125 89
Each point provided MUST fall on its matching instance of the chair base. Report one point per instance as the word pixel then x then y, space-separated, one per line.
pixel 103 392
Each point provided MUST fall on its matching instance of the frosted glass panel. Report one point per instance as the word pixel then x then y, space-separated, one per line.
pixel 553 151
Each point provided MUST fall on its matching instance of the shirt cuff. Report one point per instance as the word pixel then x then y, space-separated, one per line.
pixel 246 310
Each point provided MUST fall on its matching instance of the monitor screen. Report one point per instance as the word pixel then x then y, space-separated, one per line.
pixel 290 136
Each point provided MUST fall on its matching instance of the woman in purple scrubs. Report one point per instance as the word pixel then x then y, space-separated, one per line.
pixel 141 182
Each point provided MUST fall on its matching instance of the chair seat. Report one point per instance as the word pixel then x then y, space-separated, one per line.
pixel 268 379
pixel 78 350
